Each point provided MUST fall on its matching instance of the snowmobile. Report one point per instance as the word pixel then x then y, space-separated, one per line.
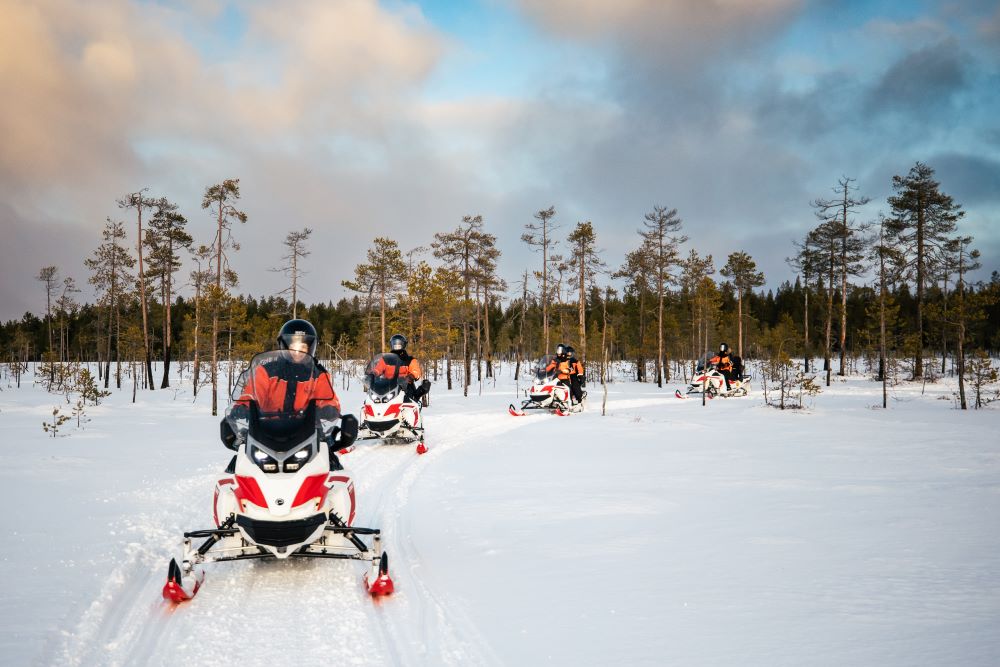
pixel 284 493
pixel 389 414
pixel 708 379
pixel 546 392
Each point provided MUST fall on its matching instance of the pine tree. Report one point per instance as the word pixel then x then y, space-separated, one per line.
pixel 109 266
pixel 636 270
pixel 201 279
pixel 964 259
pixel 851 253
pixel 661 241
pixel 695 271
pixel 742 272
pixel 540 237
pixel 49 276
pixel 808 263
pixel 140 202
pixel 296 244
pixel 922 218
pixel 587 263
pixel 382 275
pixel 220 200
pixel 165 238
pixel 460 250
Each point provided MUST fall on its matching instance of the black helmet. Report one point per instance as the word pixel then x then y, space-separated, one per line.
pixel 570 351
pixel 561 350
pixel 294 331
pixel 397 343
pixel 723 349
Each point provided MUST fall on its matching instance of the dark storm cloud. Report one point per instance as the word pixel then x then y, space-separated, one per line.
pixel 922 82
pixel 31 243
pixel 972 180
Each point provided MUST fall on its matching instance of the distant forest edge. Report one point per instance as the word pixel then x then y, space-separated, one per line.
pixel 893 291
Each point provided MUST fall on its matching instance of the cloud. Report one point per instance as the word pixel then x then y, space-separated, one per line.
pixel 685 30
pixel 972 180
pixel 922 82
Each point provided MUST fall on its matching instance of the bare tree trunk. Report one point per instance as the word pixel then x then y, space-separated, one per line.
pixel 196 372
pixel 583 312
pixel 739 320
pixel 142 300
pixel 479 338
pixel 381 305
pixel 486 334
pixel 806 326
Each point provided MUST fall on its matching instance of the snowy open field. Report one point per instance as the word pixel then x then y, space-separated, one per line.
pixel 663 533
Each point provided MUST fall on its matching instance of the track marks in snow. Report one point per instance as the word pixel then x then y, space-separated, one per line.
pixel 276 611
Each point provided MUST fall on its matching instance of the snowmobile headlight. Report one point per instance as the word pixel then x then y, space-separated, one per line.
pixel 299 459
pixel 264 460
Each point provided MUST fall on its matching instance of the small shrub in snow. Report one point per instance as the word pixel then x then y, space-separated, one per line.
pixel 80 412
pixel 86 385
pixel 58 420
pixel 790 384
pixel 981 376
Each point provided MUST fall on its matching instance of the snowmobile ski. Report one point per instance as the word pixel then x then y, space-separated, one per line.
pixel 380 583
pixel 421 448
pixel 514 411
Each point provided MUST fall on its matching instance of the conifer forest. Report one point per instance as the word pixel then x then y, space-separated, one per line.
pixel 889 295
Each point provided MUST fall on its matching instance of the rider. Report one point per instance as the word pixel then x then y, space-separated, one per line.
pixel 724 362
pixel 560 364
pixel 576 376
pixel 410 368
pixel 286 383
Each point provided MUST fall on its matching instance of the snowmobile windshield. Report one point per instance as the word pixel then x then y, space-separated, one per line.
pixel 277 393
pixel 705 362
pixel 386 373
pixel 546 368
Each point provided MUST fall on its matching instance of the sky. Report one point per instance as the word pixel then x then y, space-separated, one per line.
pixel 361 119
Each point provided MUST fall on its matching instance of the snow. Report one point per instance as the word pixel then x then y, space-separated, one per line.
pixel 666 532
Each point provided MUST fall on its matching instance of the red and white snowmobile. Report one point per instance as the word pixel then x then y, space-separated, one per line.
pixel 284 494
pixel 708 379
pixel 546 391
pixel 389 414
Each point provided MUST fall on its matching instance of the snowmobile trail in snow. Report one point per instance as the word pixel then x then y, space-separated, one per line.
pixel 319 606
pixel 416 613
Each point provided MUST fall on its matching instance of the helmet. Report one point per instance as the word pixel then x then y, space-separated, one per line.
pixel 561 350
pixel 723 349
pixel 570 351
pixel 397 343
pixel 294 331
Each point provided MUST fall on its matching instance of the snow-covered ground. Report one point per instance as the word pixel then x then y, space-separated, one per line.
pixel 663 533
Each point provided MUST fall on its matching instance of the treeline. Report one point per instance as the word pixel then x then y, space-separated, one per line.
pixel 889 292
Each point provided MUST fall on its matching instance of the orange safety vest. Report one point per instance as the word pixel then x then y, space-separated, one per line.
pixel 411 370
pixel 562 368
pixel 724 363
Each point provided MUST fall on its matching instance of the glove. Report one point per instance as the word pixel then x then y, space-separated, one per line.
pixel 348 430
pixel 227 435
pixel 238 411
